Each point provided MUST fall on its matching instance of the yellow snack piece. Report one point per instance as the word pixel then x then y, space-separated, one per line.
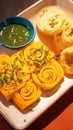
pixel 37 54
pixel 5 68
pixel 14 77
pixel 27 95
pixel 14 85
pixel 49 76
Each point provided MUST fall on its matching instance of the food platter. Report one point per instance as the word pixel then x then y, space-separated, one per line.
pixel 21 119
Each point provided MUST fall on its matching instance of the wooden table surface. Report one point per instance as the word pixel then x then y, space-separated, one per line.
pixel 60 115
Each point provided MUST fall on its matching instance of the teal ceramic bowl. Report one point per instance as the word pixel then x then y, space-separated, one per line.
pixel 16 32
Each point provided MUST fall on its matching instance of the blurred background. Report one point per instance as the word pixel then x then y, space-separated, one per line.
pixel 13 7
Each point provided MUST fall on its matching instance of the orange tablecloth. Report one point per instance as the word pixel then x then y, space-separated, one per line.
pixel 64 121
pixel 57 117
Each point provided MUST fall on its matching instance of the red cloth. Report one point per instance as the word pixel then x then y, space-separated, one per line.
pixel 64 121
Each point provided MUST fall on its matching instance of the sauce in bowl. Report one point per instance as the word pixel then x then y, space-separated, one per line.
pixel 15 35
pixel 16 32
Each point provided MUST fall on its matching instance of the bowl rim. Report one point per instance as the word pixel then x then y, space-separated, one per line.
pixel 22 21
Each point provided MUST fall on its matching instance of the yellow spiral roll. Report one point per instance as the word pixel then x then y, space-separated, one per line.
pixel 8 90
pixel 14 75
pixel 18 57
pixel 20 64
pixel 27 95
pixel 37 54
pixel 5 60
pixel 49 76
pixel 5 68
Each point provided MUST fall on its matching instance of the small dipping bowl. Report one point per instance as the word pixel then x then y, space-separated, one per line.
pixel 16 32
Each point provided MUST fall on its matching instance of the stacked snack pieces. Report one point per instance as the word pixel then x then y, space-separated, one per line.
pixel 53 22
pixel 31 70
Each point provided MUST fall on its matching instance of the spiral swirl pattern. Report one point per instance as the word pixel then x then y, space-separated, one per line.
pixel 27 95
pixel 49 75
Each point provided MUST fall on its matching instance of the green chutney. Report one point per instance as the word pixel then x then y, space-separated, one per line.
pixel 15 35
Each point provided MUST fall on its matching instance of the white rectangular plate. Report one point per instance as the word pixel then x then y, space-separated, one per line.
pixel 22 119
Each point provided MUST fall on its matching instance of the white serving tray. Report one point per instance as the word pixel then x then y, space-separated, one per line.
pixel 22 119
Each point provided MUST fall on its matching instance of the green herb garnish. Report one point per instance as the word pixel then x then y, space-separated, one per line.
pixel 24 120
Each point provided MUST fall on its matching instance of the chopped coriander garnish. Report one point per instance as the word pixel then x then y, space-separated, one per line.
pixel 15 85
pixel 20 80
pixel 5 78
pixel 21 54
pixel 32 110
pixel 1 81
pixel 6 70
pixel 24 120
pixel 12 77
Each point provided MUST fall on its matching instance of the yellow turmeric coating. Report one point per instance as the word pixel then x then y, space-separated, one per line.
pixel 37 54
pixel 26 72
pixel 49 75
pixel 26 95
pixel 5 68
pixel 14 77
